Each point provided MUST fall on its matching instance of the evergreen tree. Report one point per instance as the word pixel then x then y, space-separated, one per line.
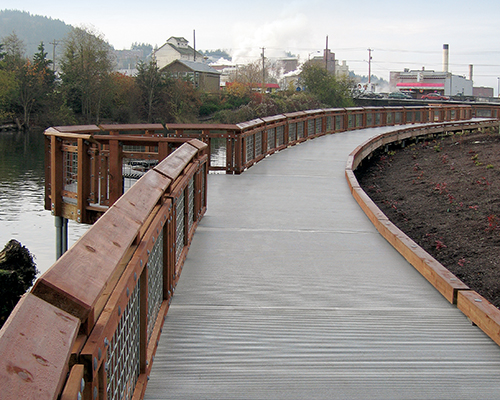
pixel 86 67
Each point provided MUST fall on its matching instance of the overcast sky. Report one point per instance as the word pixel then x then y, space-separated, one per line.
pixel 402 34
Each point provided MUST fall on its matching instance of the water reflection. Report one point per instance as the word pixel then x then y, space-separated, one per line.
pixel 22 214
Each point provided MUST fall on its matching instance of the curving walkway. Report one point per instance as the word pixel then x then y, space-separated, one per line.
pixel 289 292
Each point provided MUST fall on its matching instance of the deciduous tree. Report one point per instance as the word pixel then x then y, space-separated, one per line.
pixel 328 89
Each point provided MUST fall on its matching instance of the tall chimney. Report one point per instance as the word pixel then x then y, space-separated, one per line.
pixel 471 69
pixel 445 57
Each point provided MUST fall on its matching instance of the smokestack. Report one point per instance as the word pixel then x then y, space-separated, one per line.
pixel 445 57
pixel 471 68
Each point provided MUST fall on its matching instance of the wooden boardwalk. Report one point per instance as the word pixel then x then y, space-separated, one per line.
pixel 289 292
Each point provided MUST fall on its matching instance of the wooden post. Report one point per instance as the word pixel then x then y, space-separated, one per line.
pixel 115 171
pixel 56 176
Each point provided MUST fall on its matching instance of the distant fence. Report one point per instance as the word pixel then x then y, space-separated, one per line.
pixel 90 327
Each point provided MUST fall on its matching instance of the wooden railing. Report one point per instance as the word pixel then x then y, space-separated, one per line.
pixel 90 326
pixel 96 315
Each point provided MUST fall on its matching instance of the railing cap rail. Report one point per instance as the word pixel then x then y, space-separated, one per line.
pixel 317 111
pixel 295 114
pixel 250 124
pixel 201 127
pixel 77 129
pixel 131 127
pixel 273 118
pixel 336 109
pixel 35 343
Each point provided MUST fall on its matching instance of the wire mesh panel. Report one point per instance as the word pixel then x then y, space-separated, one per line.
pixel 179 237
pixel 369 119
pixel 319 125
pixel 390 118
pixel 310 127
pixel 70 171
pixel 292 132
pixel 249 142
pixel 203 184
pixel 218 152
pixel 329 123
pixel 339 123
pixel 123 352
pixel 191 211
pixel 258 144
pixel 133 169
pixel 271 138
pixel 359 120
pixel 398 117
pixel 155 282
pixel 280 135
pixel 300 129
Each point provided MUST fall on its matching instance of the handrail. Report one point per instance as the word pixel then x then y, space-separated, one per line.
pixel 110 292
pixel 101 306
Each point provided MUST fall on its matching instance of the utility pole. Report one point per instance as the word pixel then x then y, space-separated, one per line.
pixel 369 68
pixel 54 43
pixel 194 45
pixel 263 71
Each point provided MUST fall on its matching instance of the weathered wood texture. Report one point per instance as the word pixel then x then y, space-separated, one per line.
pixel 35 344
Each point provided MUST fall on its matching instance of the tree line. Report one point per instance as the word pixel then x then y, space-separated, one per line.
pixel 86 89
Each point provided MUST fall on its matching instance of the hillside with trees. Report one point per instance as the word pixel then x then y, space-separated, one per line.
pixel 32 29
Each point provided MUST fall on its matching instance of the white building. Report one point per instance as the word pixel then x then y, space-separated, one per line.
pixel 176 48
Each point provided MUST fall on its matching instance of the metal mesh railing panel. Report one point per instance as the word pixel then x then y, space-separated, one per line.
pixel 203 184
pixel 155 282
pixel 369 119
pixel 310 127
pixel 258 144
pixel 123 362
pixel 398 117
pixel 329 123
pixel 339 123
pixel 191 211
pixel 218 152
pixel 292 132
pixel 179 224
pixel 271 138
pixel 359 120
pixel 319 125
pixel 133 169
pixel 280 135
pixel 300 130
pixel 249 142
pixel 70 171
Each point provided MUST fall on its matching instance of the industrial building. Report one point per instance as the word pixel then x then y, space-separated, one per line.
pixel 422 82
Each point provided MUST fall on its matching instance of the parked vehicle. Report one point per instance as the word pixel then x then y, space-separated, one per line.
pixel 434 96
pixel 371 95
pixel 399 95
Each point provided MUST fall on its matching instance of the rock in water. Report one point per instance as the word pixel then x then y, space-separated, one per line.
pixel 17 274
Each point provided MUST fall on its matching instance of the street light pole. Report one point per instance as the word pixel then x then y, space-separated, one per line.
pixel 369 68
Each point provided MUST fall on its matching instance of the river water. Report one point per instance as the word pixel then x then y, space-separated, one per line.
pixel 22 214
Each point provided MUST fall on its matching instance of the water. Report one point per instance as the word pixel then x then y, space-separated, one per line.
pixel 22 214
